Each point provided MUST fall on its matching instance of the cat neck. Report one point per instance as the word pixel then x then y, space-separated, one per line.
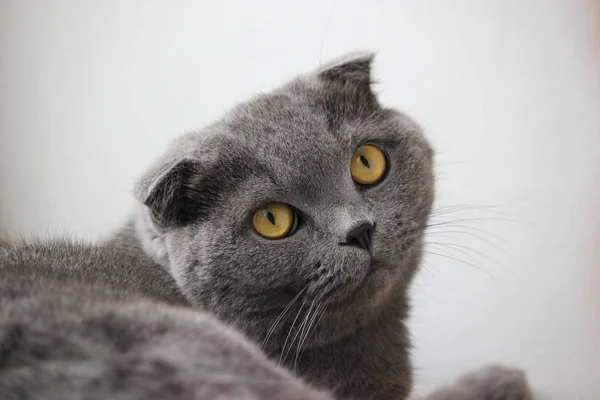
pixel 380 348
pixel 126 240
pixel 141 236
pixel 136 243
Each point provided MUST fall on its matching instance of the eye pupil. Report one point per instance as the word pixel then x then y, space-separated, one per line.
pixel 275 220
pixel 368 165
pixel 365 162
pixel 271 217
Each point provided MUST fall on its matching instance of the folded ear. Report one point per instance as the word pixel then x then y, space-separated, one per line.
pixel 170 190
pixel 348 83
pixel 352 68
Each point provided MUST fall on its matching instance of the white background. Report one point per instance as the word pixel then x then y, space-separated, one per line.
pixel 508 92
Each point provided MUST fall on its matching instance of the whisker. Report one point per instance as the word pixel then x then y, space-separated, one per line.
pixel 460 254
pixel 427 266
pixel 466 228
pixel 280 317
pixel 303 338
pixel 433 228
pixel 448 234
pixel 494 210
pixel 325 35
pixel 474 219
pixel 460 260
pixel 281 358
pixel 466 249
pixel 301 328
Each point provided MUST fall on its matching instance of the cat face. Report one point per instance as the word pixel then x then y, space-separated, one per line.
pixel 344 246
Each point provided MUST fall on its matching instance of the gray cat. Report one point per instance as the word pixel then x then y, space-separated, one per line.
pixel 295 223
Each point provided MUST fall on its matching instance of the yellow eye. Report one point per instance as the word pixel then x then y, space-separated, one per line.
pixel 368 165
pixel 274 221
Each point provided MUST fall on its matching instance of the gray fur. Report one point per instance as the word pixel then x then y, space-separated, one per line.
pixel 294 145
pixel 103 322
pixel 495 382
pixel 333 314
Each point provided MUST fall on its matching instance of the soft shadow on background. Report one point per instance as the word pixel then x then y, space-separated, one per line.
pixel 508 92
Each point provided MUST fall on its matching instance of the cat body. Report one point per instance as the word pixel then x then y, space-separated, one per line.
pixel 293 145
pixel 189 301
pixel 72 330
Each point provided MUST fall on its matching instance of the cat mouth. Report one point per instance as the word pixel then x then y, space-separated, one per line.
pixel 371 287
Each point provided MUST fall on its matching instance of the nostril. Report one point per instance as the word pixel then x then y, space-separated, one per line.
pixel 360 236
pixel 357 242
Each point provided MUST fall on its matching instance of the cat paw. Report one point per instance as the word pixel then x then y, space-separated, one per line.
pixel 497 382
pixel 493 382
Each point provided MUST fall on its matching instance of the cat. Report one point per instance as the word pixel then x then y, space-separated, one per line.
pixel 269 257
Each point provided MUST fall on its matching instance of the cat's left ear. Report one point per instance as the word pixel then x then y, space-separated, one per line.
pixel 350 69
pixel 348 82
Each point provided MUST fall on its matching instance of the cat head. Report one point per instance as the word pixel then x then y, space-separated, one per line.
pixel 312 197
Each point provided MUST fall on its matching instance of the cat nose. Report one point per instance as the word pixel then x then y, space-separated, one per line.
pixel 360 236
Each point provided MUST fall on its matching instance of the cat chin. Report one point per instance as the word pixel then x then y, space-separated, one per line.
pixel 373 290
pixel 365 305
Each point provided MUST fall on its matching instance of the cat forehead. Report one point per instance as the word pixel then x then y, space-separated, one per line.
pixel 305 124
pixel 309 115
pixel 299 138
pixel 306 114
pixel 299 129
pixel 292 113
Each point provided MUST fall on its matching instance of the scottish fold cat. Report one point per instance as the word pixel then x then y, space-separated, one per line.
pixel 269 258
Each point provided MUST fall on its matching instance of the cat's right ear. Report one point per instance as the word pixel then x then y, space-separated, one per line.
pixel 169 189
